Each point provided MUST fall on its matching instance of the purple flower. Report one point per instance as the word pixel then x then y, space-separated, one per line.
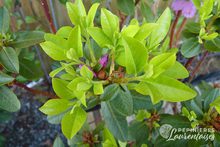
pixel 104 60
pixel 185 6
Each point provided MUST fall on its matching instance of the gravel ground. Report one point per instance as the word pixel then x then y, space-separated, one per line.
pixel 29 127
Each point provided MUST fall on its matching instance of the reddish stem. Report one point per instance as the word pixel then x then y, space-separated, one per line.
pixel 47 13
pixel 34 91
pixel 179 31
pixel 189 62
pixel 173 28
pixel 198 66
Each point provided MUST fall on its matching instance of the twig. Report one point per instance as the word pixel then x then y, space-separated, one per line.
pixel 172 31
pixel 35 91
pixel 189 62
pixel 198 66
pixel 47 13
pixel 179 31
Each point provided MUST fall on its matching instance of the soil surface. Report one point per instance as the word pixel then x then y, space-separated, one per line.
pixel 29 127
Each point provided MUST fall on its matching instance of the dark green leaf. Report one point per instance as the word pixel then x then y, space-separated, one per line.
pixel 115 122
pixel 8 100
pixel 4 78
pixel 126 6
pixel 9 59
pixel 58 142
pixel 213 45
pixel 27 39
pixel 4 20
pixel 190 48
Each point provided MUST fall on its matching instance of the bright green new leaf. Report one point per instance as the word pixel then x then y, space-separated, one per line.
pixel 4 20
pixel 108 138
pixel 190 48
pixel 60 88
pixel 126 6
pixel 135 55
pixel 197 3
pixel 55 106
pixel 177 71
pixel 76 11
pixel 8 100
pixel 73 121
pixel 64 31
pixel 91 14
pixel 216 104
pixel 57 40
pixel 27 38
pixel 99 36
pixel 4 78
pixel 75 42
pixel 163 27
pixel 86 72
pixel 145 30
pixel 109 22
pixel 54 51
pixel 9 59
pixel 168 89
pixel 98 88
pixel 162 62
pixel 84 86
pixel 130 30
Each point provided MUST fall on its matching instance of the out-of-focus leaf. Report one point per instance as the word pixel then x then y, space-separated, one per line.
pixel 27 38
pixel 4 20
pixel 8 100
pixel 9 59
pixel 126 6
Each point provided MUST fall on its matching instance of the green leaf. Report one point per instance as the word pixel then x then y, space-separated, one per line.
pixel 91 14
pixel 57 40
pixel 60 88
pixel 55 106
pixel 27 38
pixel 115 122
pixel 162 62
pixel 84 86
pixel 168 89
pixel 4 78
pixel 9 59
pixel 109 22
pixel 163 27
pixel 99 36
pixel 55 119
pixel 54 51
pixel 130 30
pixel 30 69
pixel 145 30
pixel 135 55
pixel 138 132
pixel 8 100
pixel 98 88
pixel 4 20
pixel 147 12
pixel 64 31
pixel 108 138
pixel 196 3
pixel 190 48
pixel 58 142
pixel 110 92
pixel 216 104
pixel 75 41
pixel 73 121
pixel 177 71
pixel 86 72
pixel 126 6
pixel 123 102
pixel 213 45
pixel 76 11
